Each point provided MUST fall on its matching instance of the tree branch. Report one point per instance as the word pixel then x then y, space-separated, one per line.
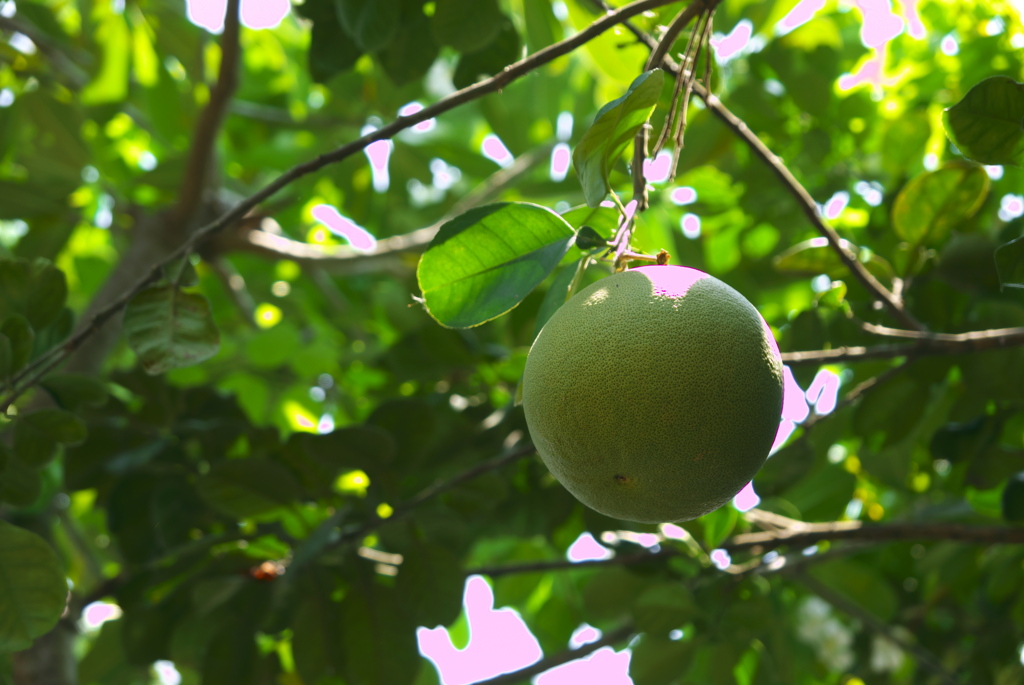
pixel 607 640
pixel 927 344
pixel 460 97
pixel 808 534
pixel 199 166
pixel 790 182
pixel 923 656
pixel 349 260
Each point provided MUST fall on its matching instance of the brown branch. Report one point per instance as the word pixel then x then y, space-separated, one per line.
pixel 607 640
pixel 808 534
pixel 566 565
pixel 928 344
pixel 383 256
pixel 923 656
pixel 199 165
pixel 460 97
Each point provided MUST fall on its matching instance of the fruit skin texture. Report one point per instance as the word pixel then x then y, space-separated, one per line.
pixel 654 394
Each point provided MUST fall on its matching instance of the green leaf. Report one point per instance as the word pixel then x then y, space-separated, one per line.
pixel 36 290
pixel 556 295
pixel 610 594
pixel 496 54
pixel 330 50
pixel 935 202
pixel 860 583
pixel 49 292
pixel 73 391
pixel 316 640
pixel 382 651
pixel 986 125
pixel 33 590
pixel 20 485
pixel 834 297
pixel 484 262
pixel 1013 498
pixel 588 239
pixel 1010 263
pixel 36 435
pixel 816 256
pixel 371 23
pixel 612 131
pixel 718 525
pixel 6 357
pixel 19 333
pixel 604 221
pixel 657 660
pixel 411 52
pixel 170 329
pixel 663 607
pixel 244 488
pixel 466 25
pixel 430 584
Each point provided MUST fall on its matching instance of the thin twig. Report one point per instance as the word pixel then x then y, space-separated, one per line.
pixel 234 284
pixel 809 534
pixel 199 165
pixel 928 344
pixel 923 656
pixel 477 90
pixel 894 304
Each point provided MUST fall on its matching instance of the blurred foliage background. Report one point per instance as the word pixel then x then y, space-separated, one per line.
pixel 293 508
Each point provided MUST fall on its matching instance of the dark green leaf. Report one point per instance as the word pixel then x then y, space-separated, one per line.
pixel 498 53
pixel 430 582
pixel 483 263
pixel 36 435
pixel 986 125
pixel 556 295
pixel 243 488
pixel 657 660
pixel 371 23
pixel 1013 498
pixel 49 292
pixel 612 131
pixel 588 239
pixel 20 485
pixel 18 331
pixel 718 525
pixel 663 607
pixel 6 357
pixel 33 590
pixel 231 655
pixel 834 297
pixel 316 640
pixel 170 329
pixel 411 52
pixel 75 390
pixel 330 50
pixel 784 468
pixel 466 25
pixel 382 651
pixel 1010 263
pixel 936 202
pixel 860 583
pixel 610 594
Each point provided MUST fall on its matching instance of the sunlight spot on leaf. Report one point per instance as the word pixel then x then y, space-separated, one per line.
pixel 98 613
pixel 299 418
pixel 267 315
pixel 353 483
pixel 1011 206
pixel 166 673
pixel 385 510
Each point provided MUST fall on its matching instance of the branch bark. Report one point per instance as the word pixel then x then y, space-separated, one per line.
pixel 807 534
pixel 926 344
pixel 477 90
pixel 807 204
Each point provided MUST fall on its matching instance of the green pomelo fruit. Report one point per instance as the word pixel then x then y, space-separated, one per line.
pixel 655 394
